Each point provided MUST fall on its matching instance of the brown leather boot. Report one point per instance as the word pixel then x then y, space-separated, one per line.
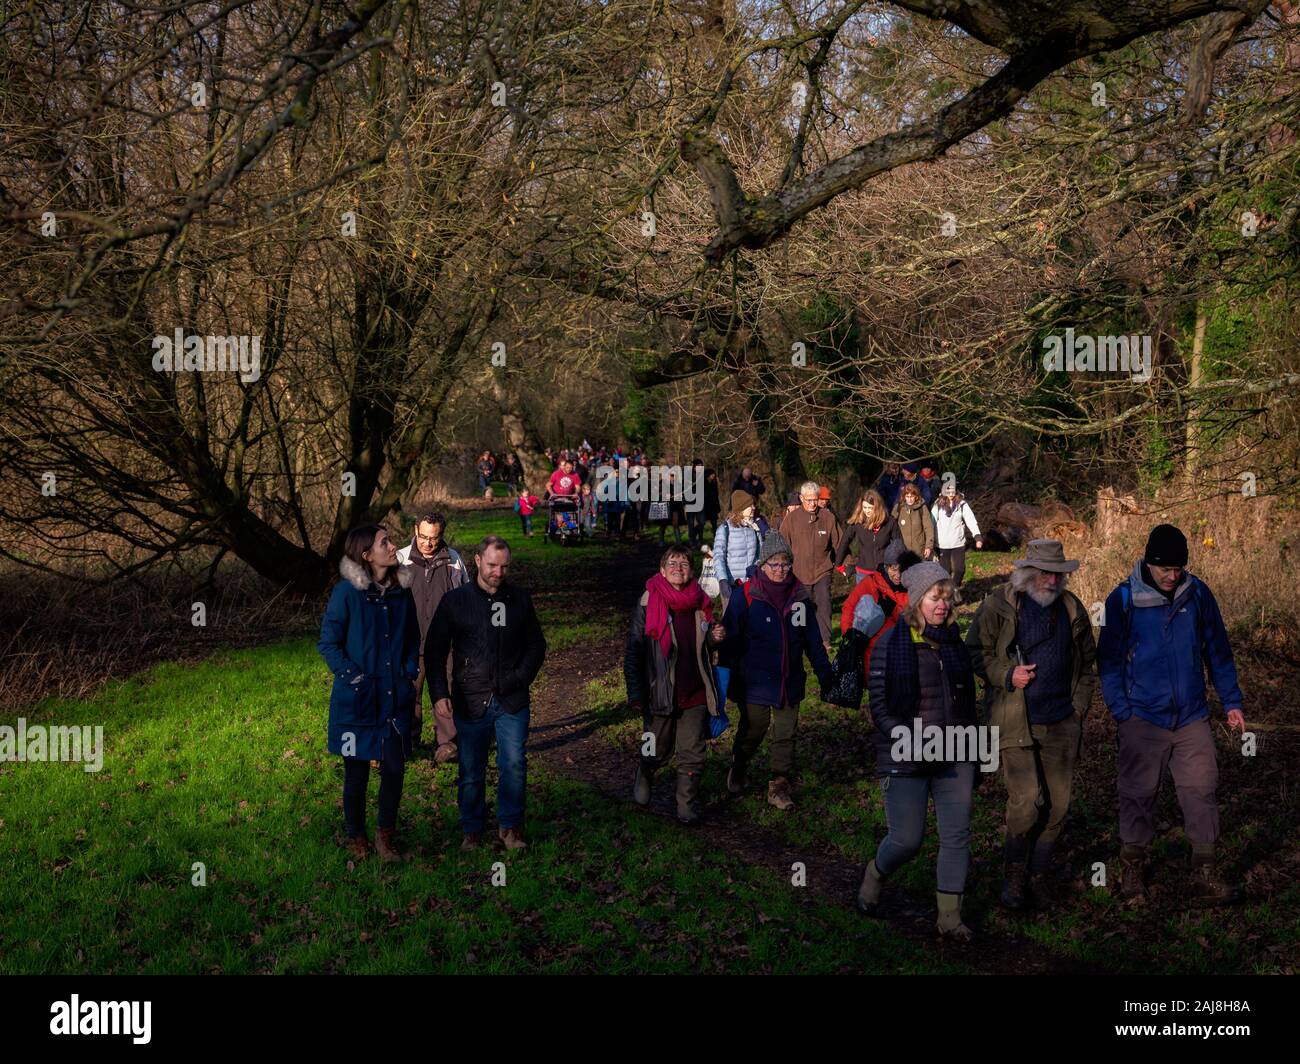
pixel 386 844
pixel 472 841
pixel 778 794
pixel 358 847
pixel 1207 887
pixel 512 838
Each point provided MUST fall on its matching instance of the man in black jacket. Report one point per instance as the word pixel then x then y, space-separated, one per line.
pixel 491 630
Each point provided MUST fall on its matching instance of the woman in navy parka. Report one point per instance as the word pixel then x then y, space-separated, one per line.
pixel 370 639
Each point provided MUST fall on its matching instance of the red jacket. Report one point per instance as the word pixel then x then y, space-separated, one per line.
pixel 878 587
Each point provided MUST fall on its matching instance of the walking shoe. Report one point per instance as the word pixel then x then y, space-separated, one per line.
pixel 358 847
pixel 1207 887
pixel 642 784
pixel 1133 867
pixel 512 839
pixel 446 752
pixel 868 899
pixel 778 794
pixel 386 844
pixel 736 778
pixel 949 924
pixel 472 841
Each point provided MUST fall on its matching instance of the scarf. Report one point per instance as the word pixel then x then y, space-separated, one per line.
pixel 903 673
pixel 664 599
pixel 778 596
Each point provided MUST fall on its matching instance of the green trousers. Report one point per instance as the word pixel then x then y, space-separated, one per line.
pixel 753 726
pixel 1039 778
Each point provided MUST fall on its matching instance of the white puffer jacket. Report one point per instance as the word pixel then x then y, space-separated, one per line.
pixel 950 529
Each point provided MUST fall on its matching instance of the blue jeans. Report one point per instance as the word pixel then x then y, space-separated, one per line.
pixel 906 801
pixel 473 737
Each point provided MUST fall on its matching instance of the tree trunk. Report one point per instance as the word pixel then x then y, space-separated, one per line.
pixel 520 433
pixel 1192 461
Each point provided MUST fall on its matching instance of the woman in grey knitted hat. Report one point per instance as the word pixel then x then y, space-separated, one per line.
pixel 922 686
pixel 771 625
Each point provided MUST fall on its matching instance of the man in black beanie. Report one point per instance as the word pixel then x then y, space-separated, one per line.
pixel 1163 629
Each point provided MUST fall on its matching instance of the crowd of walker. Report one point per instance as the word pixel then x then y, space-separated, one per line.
pixel 399 618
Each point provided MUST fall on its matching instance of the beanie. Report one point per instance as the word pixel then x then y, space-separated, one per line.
pixel 773 544
pixel 740 500
pixel 1166 546
pixel 920 578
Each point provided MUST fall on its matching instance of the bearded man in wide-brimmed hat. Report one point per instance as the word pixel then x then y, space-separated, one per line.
pixel 1031 642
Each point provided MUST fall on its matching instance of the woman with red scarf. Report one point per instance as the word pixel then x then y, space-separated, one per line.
pixel 769 629
pixel 670 678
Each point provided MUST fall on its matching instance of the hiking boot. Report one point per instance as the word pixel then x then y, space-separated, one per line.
pixel 386 844
pixel 446 752
pixel 1014 852
pixel 949 924
pixel 778 794
pixel 868 900
pixel 688 802
pixel 642 784
pixel 736 778
pixel 1207 888
pixel 512 839
pixel 1133 868
pixel 358 847
pixel 1041 888
pixel 472 841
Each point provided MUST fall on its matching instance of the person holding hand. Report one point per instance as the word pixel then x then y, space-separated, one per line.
pixel 669 674
pixel 771 625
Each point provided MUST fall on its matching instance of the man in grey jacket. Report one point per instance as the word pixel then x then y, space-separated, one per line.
pixel 435 570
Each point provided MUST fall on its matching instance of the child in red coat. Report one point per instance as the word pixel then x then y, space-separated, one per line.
pixel 524 507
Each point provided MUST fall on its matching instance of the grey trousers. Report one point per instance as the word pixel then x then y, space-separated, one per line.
pixel 1144 751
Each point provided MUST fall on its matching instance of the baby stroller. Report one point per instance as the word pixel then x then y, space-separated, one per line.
pixel 562 524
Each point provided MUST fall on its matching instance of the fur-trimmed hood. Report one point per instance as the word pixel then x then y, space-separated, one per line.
pixel 360 578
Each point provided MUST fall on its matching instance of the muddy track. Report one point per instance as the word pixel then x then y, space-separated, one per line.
pixel 568 740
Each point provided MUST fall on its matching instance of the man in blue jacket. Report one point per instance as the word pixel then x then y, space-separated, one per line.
pixel 1163 628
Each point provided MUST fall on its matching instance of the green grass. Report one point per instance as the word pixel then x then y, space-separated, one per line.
pixel 223 764
pixel 840 807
